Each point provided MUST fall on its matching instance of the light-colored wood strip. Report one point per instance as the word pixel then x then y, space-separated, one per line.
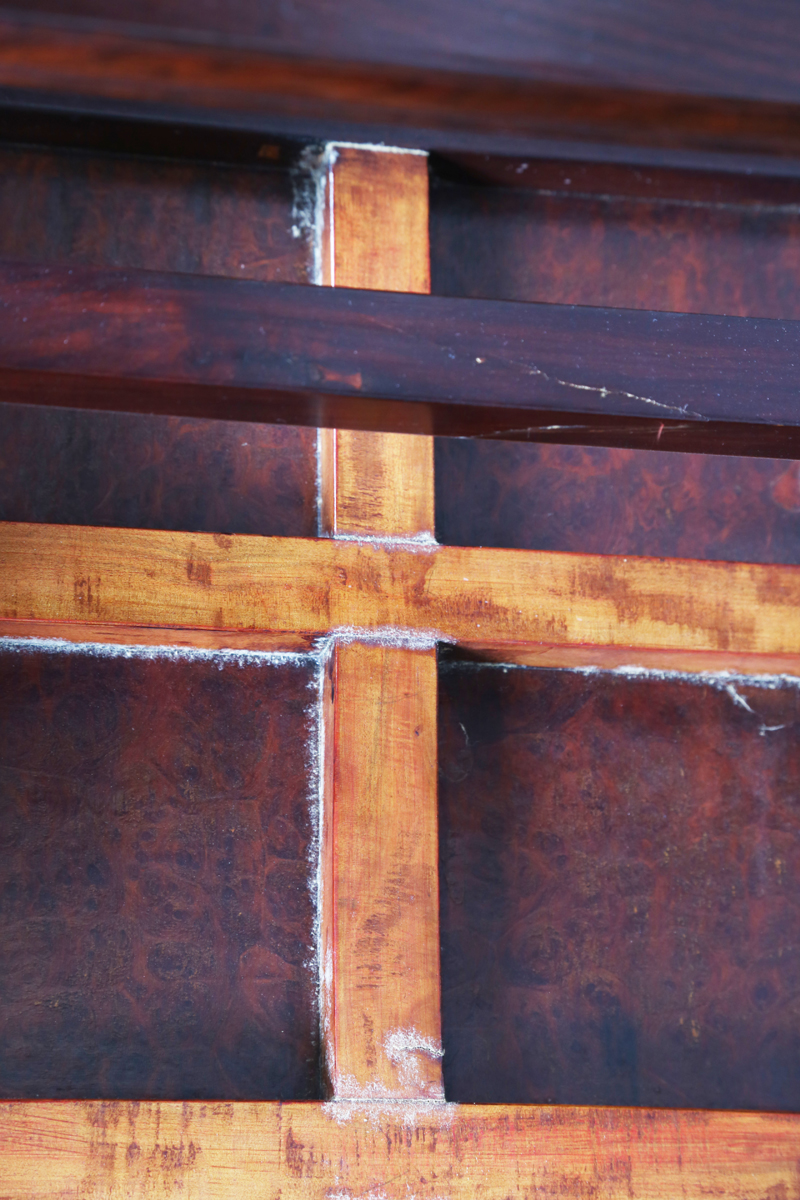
pixel 376 484
pixel 375 235
pixel 52 1151
pixel 381 928
pixel 376 219
pixel 379 913
pixel 566 603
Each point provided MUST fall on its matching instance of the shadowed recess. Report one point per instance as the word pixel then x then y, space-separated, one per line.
pixel 593 500
pixel 75 467
pixel 620 889
pixel 620 237
pixel 156 924
pixel 105 210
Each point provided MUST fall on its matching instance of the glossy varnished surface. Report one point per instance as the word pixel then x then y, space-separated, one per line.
pixel 705 47
pixel 594 500
pixel 188 345
pixel 619 873
pixel 75 467
pixel 156 930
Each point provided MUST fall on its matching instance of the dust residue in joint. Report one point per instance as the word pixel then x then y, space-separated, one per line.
pixel 403 1047
pixel 377 1109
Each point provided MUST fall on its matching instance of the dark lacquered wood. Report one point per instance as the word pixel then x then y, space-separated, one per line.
pixel 707 47
pixel 593 500
pixel 595 240
pixel 246 350
pixel 77 124
pixel 612 179
pixel 73 467
pixel 157 925
pixel 332 83
pixel 115 211
pixel 620 881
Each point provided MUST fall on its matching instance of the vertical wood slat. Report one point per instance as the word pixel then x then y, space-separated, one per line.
pixel 380 908
pixel 382 932
pixel 376 236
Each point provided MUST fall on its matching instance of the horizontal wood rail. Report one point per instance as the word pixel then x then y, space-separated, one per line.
pixel 645 107
pixel 426 1150
pixel 570 609
pixel 183 344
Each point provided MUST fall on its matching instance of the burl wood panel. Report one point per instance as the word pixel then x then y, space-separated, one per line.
pixel 621 238
pixel 76 467
pixel 156 928
pixel 594 500
pixel 104 210
pixel 620 882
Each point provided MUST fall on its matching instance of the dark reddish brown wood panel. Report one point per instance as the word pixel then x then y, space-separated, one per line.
pixel 593 500
pixel 73 467
pixel 608 234
pixel 619 237
pixel 620 882
pixel 708 47
pixel 240 349
pixel 104 210
pixel 157 925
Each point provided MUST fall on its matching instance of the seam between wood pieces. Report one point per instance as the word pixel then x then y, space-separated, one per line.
pixel 373 600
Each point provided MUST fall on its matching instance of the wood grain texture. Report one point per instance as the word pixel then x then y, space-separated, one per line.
pixel 157 924
pixel 376 484
pixel 619 900
pixel 604 501
pixel 375 235
pixel 379 914
pixel 619 237
pixel 117 210
pixel 376 219
pixel 246 350
pixel 380 938
pixel 73 467
pixel 412 92
pixel 499 598
pixel 706 48
pixel 256 1151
